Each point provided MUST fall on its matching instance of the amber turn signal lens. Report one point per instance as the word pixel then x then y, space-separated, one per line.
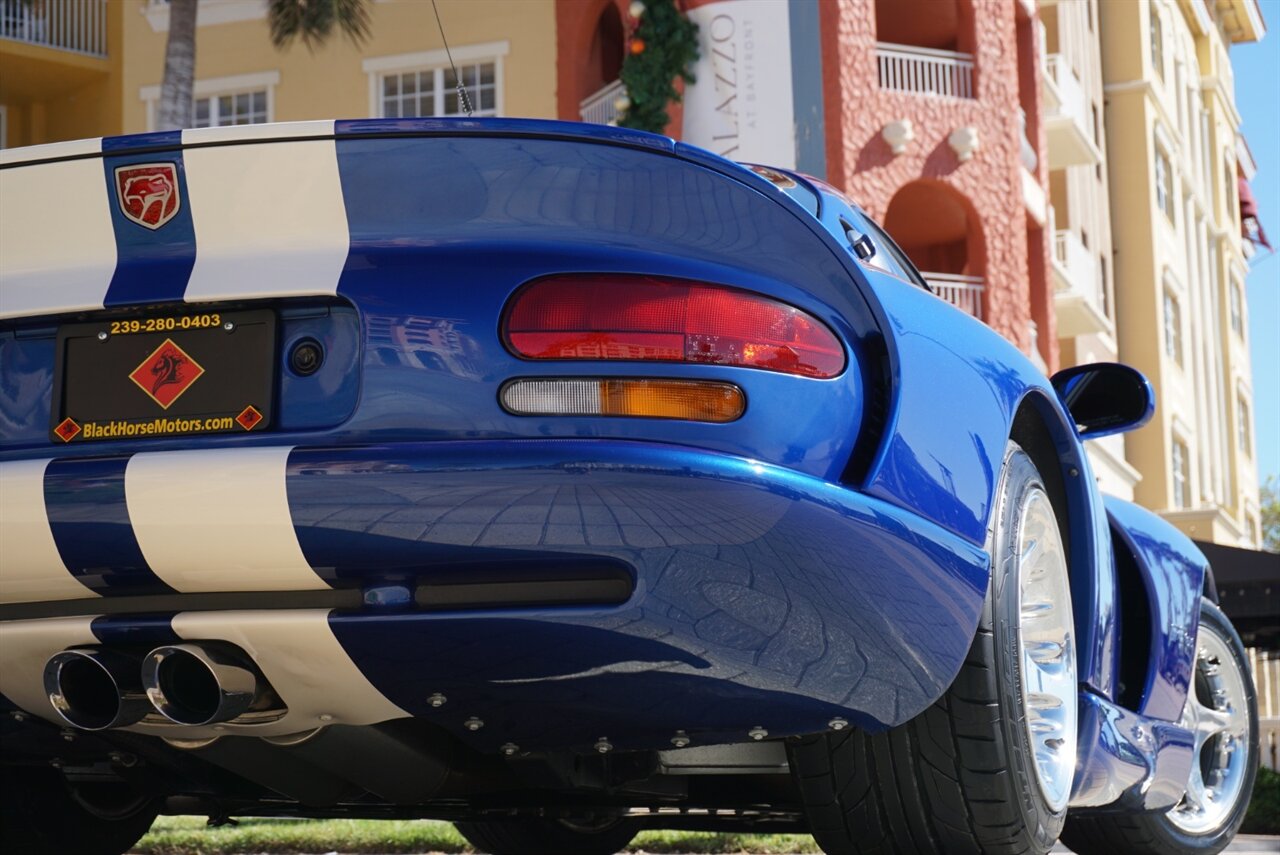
pixel 690 400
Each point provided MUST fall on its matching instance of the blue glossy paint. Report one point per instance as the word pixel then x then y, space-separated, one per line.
pixel 1128 760
pixel 513 128
pixel 1172 571
pixel 90 523
pixel 775 579
pixel 152 265
pixel 137 632
pixel 328 397
pixel 26 387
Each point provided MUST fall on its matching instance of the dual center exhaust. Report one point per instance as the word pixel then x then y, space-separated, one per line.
pixel 193 683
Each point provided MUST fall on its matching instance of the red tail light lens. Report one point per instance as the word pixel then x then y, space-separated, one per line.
pixel 608 317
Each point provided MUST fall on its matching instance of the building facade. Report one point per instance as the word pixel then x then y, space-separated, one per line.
pixel 86 68
pixel 1080 215
pixel 1173 134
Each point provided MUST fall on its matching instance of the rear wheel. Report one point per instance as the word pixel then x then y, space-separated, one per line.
pixel 42 815
pixel 989 767
pixel 542 836
pixel 1222 712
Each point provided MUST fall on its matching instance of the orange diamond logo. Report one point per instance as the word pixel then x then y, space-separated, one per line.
pixel 166 373
pixel 249 417
pixel 67 430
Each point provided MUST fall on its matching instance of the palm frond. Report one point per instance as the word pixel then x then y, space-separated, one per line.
pixel 314 21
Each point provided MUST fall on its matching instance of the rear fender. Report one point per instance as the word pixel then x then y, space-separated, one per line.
pixel 958 389
pixel 1172 571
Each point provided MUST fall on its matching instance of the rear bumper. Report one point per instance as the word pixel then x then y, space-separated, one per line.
pixel 757 596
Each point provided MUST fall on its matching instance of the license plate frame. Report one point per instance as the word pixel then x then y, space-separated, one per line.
pixel 162 374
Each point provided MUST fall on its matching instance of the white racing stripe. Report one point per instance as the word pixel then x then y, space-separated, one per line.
pixel 57 244
pixel 302 659
pixel 31 569
pixel 217 520
pixel 25 647
pixel 269 218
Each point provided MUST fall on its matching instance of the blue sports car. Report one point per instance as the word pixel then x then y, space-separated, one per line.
pixel 563 481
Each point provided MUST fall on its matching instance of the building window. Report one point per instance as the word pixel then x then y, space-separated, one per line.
pixel 1172 328
pixel 414 85
pixel 1237 308
pixel 1164 183
pixel 1229 190
pixel 1157 42
pixel 1244 427
pixel 232 108
pixel 1104 289
pixel 241 99
pixel 1180 465
pixel 434 92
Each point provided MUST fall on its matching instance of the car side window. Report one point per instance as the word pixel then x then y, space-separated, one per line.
pixel 885 244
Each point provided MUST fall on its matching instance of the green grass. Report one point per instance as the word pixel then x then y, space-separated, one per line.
pixel 187 835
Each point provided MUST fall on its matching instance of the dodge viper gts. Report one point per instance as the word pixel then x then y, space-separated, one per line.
pixel 563 481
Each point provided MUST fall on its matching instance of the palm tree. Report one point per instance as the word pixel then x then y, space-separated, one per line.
pixel 312 20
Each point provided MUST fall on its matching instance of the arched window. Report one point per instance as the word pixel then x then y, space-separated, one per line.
pixel 604 59
pixel 939 230
pixel 926 46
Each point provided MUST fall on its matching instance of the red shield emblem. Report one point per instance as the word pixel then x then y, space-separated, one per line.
pixel 166 373
pixel 148 193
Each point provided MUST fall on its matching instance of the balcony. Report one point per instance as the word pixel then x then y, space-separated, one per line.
pixel 600 108
pixel 963 292
pixel 77 26
pixel 1078 300
pixel 1068 120
pixel 925 71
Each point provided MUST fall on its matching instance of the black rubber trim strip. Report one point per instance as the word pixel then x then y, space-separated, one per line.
pixel 348 598
pixel 605 587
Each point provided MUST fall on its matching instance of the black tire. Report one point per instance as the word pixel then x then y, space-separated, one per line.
pixel 958 778
pixel 1155 833
pixel 540 836
pixel 42 816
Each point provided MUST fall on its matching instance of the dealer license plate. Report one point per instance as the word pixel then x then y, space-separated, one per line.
pixel 163 375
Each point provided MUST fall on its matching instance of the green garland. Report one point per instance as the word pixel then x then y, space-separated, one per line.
pixel 663 46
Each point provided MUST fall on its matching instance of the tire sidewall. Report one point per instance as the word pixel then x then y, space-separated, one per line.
pixel 1020 477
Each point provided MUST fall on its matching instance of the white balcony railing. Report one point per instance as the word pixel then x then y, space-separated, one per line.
pixel 906 68
pixel 963 292
pixel 1026 151
pixel 79 26
pixel 1079 301
pixel 600 108
pixel 1067 116
pixel 1075 266
pixel 1067 89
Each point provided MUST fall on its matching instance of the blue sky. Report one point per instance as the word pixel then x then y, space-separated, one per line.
pixel 1257 72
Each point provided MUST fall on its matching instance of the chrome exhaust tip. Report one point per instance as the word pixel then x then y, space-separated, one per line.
pixel 95 689
pixel 205 683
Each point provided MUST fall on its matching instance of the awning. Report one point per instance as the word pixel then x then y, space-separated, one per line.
pixel 1250 225
pixel 1248 591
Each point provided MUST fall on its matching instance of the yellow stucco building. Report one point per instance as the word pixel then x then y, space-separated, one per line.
pixel 88 68
pixel 1173 145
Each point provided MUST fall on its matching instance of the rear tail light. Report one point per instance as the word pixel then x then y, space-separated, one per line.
pixel 691 400
pixel 612 317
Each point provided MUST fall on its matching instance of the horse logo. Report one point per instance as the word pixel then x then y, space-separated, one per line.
pixel 148 193
pixel 166 373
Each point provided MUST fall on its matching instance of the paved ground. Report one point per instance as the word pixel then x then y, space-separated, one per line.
pixel 1245 844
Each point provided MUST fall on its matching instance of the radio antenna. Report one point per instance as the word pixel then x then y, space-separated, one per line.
pixel 463 98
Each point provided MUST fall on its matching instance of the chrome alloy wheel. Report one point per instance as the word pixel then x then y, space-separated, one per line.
pixel 1217 713
pixel 1046 637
